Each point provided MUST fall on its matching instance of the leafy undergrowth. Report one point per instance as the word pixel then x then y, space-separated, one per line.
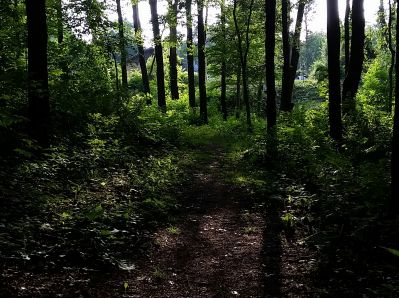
pixel 90 202
pixel 332 197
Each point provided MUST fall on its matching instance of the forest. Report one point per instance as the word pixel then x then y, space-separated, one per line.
pixel 205 148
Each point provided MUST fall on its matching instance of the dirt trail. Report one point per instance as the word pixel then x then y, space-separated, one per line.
pixel 222 244
pixel 215 249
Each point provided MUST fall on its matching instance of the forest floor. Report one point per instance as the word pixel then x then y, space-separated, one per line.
pixel 223 244
pixel 230 235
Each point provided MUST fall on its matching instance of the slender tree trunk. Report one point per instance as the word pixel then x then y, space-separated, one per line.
pixel 238 93
pixel 243 58
pixel 190 55
pixel 295 49
pixel 347 35
pixel 60 26
pixel 392 51
pixel 38 94
pixel 202 63
pixel 259 95
pixel 116 73
pixel 394 201
pixel 224 67
pixel 174 89
pixel 352 79
pixel 286 104
pixel 17 17
pixel 60 37
pixel 270 44
pixel 333 43
pixel 158 56
pixel 140 48
pixel 122 46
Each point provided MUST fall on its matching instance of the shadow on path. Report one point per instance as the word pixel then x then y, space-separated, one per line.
pixel 271 253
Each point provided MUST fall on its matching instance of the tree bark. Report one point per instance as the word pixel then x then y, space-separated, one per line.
pixel 122 46
pixel 392 51
pixel 60 25
pixel 243 58
pixel 190 55
pixel 347 35
pixel 270 44
pixel 238 93
pixel 224 67
pixel 174 89
pixel 352 79
pixel 158 56
pixel 202 63
pixel 116 73
pixel 286 104
pixel 38 94
pixel 295 50
pixel 333 44
pixel 394 201
pixel 140 48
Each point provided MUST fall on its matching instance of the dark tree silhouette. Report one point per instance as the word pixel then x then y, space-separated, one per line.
pixel 238 92
pixel 334 76
pixel 224 66
pixel 285 97
pixel 394 202
pixel 347 34
pixel 122 46
pixel 352 79
pixel 140 48
pixel 158 56
pixel 38 94
pixel 174 89
pixel 391 7
pixel 202 62
pixel 270 44
pixel 190 55
pixel 243 51
pixel 60 26
pixel 294 59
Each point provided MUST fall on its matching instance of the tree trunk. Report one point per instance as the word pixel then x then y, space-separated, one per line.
pixel 238 93
pixel 224 67
pixel 286 104
pixel 116 73
pixel 243 58
pixel 333 43
pixel 295 49
pixel 201 63
pixel 122 47
pixel 392 51
pixel 158 56
pixel 270 44
pixel 60 26
pixel 352 79
pixel 190 55
pixel 394 201
pixel 174 89
pixel 140 48
pixel 347 35
pixel 38 94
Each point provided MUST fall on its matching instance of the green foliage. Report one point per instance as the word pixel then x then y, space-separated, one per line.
pixel 135 82
pixel 319 71
pixel 374 91
pixel 312 50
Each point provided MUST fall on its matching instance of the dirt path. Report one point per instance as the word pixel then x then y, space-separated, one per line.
pixel 226 241
pixel 220 246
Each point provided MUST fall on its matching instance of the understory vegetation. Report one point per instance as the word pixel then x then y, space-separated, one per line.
pixel 108 144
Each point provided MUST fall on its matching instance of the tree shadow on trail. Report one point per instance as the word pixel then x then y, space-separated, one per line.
pixel 272 253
